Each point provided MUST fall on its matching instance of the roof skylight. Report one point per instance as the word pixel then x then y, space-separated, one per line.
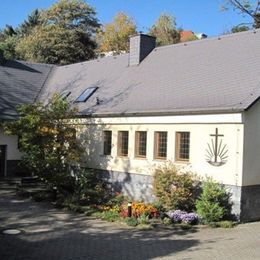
pixel 65 94
pixel 86 94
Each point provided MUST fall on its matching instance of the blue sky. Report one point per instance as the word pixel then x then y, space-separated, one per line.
pixel 199 16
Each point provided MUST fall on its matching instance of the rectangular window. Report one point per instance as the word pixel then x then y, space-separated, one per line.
pixel 182 146
pixel 122 143
pixel 64 95
pixel 160 145
pixel 140 144
pixel 86 94
pixel 107 142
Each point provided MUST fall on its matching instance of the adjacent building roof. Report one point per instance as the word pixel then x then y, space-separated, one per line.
pixel 207 76
pixel 20 83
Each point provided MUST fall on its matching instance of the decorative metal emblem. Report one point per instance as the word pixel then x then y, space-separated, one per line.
pixel 216 152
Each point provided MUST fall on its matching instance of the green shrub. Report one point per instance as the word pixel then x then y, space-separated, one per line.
pixel 175 189
pixel 226 224
pixel 143 219
pixel 213 204
pixel 222 224
pixel 89 189
pixel 133 222
pixel 110 216
pixel 167 221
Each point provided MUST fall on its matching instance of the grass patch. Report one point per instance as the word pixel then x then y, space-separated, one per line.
pixel 223 224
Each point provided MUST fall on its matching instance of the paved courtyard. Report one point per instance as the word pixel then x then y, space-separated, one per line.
pixel 48 233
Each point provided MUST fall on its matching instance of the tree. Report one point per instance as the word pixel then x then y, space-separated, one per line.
pixel 47 140
pixel 72 14
pixel 248 8
pixel 115 35
pixel 64 35
pixel 8 45
pixel 8 40
pixel 33 20
pixel 56 45
pixel 165 30
pixel 239 28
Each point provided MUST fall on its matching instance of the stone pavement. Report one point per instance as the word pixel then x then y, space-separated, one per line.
pixel 49 233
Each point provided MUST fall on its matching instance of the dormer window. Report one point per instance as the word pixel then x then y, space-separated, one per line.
pixel 86 94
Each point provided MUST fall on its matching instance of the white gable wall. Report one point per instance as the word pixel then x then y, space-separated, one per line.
pixel 251 167
pixel 200 128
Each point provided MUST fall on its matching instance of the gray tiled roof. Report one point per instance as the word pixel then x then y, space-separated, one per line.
pixel 212 75
pixel 217 74
pixel 20 83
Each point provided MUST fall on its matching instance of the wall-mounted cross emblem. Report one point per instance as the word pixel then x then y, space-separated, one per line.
pixel 216 152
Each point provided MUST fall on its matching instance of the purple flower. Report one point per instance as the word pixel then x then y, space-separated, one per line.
pixel 189 218
pixel 176 215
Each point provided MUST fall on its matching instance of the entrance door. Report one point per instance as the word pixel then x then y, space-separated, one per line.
pixel 2 160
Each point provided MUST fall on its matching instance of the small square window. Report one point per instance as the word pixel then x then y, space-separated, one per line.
pixel 140 144
pixel 160 145
pixel 122 143
pixel 182 146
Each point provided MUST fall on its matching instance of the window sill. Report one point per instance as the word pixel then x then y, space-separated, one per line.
pixel 140 158
pixel 182 162
pixel 160 159
pixel 122 156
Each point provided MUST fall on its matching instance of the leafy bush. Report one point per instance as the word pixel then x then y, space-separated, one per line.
pixel 116 199
pixel 175 189
pixel 89 189
pixel 167 221
pixel 143 219
pixel 213 204
pixel 226 224
pixel 133 222
pixel 110 216
pixel 178 216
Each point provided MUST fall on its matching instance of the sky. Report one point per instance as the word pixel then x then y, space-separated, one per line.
pixel 200 16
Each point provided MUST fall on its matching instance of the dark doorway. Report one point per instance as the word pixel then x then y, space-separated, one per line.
pixel 2 160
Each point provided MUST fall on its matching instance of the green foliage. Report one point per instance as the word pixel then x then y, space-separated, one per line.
pixel 240 28
pixel 133 222
pixel 167 221
pixel 89 189
pixel 110 216
pixel 143 219
pixel 165 30
pixel 56 45
pixel 116 200
pixel 8 45
pixel 61 34
pixel 48 141
pixel 174 189
pixel 222 224
pixel 115 36
pixel 245 7
pixel 72 14
pixel 213 203
pixel 33 20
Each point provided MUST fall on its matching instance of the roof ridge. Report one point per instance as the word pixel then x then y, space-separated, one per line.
pixel 219 37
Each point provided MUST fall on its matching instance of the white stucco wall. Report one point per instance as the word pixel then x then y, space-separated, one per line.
pixel 251 169
pixel 12 152
pixel 200 128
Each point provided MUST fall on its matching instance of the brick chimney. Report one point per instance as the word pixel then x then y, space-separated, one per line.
pixel 140 46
